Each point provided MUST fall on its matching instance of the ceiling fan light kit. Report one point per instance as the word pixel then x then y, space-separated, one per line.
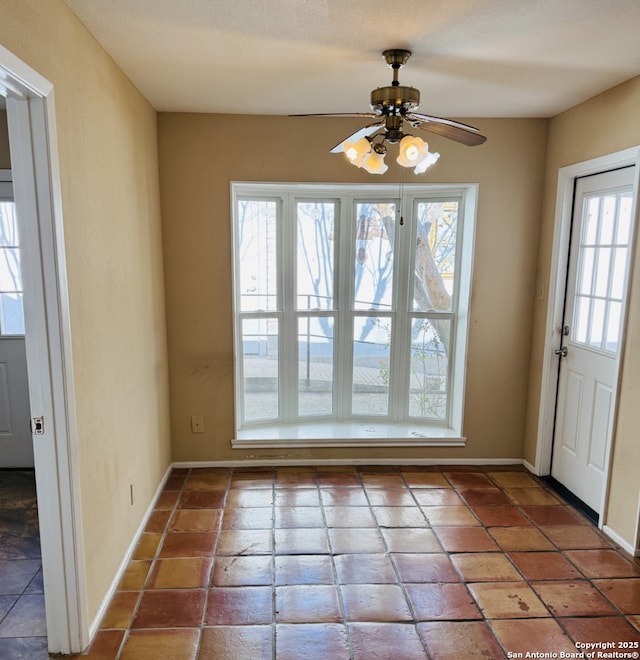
pixel 394 106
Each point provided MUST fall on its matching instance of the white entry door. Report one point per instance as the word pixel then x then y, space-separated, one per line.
pixel 594 310
pixel 16 441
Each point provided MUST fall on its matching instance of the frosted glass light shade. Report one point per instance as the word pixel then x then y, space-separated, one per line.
pixel 374 163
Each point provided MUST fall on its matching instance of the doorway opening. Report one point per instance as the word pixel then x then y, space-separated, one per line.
pixel 34 164
pixel 586 322
pixel 591 337
pixel 22 621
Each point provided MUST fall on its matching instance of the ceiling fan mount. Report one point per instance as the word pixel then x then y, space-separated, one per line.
pixel 395 99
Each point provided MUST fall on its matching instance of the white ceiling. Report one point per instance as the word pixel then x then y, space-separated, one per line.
pixel 475 58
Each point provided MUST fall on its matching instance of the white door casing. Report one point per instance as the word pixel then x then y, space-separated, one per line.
pixel 34 154
pixel 589 356
pixel 555 301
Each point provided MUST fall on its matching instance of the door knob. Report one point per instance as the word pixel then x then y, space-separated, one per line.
pixel 562 352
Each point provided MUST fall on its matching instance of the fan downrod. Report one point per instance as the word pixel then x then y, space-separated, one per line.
pixel 395 99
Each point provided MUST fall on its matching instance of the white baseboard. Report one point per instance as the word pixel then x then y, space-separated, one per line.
pixel 282 462
pixel 530 467
pixel 95 624
pixel 616 538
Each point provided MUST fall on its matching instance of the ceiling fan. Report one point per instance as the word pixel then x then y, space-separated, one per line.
pixel 394 106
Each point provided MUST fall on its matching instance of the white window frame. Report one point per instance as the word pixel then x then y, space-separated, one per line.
pixel 364 431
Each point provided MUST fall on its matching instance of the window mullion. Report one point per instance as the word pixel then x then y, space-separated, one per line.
pixel 287 288
pixel 344 304
pixel 401 335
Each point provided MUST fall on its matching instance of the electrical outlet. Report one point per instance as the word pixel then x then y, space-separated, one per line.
pixel 197 424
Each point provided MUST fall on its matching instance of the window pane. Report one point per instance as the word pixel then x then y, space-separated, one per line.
pixel 315 366
pixel 260 368
pixel 371 364
pixel 435 256
pixel 315 255
pixel 619 273
pixel 429 369
pixel 8 224
pixel 586 270
pixel 375 227
pixel 602 272
pixel 11 315
pixel 591 224
pixel 10 279
pixel 608 219
pixel 257 255
pixel 596 328
pixel 624 219
pixel 581 321
pixel 613 327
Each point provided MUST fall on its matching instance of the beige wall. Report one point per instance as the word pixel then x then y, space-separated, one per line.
pixel 201 154
pixel 605 124
pixel 108 166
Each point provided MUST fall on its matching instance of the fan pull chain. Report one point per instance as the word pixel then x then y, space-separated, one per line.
pixel 401 191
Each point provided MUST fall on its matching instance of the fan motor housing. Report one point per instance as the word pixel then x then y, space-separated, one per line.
pixel 394 99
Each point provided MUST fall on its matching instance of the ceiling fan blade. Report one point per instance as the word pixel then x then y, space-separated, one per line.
pixel 454 130
pixel 337 114
pixel 363 132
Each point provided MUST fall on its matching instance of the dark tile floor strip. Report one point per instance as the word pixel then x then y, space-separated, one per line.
pixel 22 620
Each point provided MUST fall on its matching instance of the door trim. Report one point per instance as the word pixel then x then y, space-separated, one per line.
pixel 555 303
pixel 34 152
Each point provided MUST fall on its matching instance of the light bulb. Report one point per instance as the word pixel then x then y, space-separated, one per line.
pixel 373 162
pixel 356 151
pixel 411 150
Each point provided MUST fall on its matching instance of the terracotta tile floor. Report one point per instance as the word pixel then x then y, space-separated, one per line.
pixel 366 563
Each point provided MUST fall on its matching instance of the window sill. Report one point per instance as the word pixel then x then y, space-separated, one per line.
pixel 336 434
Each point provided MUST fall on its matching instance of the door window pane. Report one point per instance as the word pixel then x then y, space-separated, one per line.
pixel 608 219
pixel 371 364
pixel 315 255
pixel 10 278
pixel 602 272
pixel 8 225
pixel 315 366
pixel 581 320
pixel 591 223
pixel 435 256
pixel 596 327
pixel 613 327
pixel 11 316
pixel 375 234
pixel 586 271
pixel 11 308
pixel 257 247
pixel 619 273
pixel 623 233
pixel 260 368
pixel 428 385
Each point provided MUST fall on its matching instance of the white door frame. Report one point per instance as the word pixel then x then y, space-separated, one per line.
pixel 555 304
pixel 34 156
